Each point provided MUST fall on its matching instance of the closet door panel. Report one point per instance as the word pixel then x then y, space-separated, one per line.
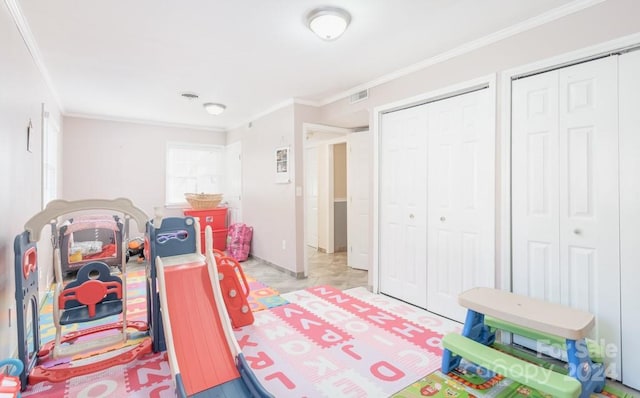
pixel 461 202
pixel 565 212
pixel 630 215
pixel 535 206
pixel 589 217
pixel 403 205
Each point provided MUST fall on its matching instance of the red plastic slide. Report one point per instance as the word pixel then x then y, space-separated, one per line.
pixel 202 351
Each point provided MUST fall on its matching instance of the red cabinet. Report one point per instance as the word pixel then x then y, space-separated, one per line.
pixel 217 220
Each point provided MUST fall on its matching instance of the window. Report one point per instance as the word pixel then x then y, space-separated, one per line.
pixel 50 132
pixel 193 168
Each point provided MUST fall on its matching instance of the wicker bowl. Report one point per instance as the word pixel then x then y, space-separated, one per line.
pixel 203 200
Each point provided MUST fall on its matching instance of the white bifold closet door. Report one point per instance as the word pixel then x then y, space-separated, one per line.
pixel 437 201
pixel 403 210
pixel 460 222
pixel 630 215
pixel 565 192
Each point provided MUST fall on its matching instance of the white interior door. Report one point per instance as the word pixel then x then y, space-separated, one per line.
pixel 403 215
pixel 565 214
pixel 535 185
pixel 359 147
pixel 630 214
pixel 233 186
pixel 311 196
pixel 461 207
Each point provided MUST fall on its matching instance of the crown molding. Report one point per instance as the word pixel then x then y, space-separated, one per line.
pixel 144 122
pixel 549 16
pixel 30 42
pixel 546 17
pixel 301 101
pixel 267 111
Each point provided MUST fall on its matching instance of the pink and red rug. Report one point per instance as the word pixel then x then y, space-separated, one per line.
pixel 329 343
pixel 319 342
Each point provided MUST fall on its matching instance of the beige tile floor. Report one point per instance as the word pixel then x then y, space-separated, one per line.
pixel 324 269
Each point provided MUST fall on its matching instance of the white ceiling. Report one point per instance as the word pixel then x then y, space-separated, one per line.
pixel 130 60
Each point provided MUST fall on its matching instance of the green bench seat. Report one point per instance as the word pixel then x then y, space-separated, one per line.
pixel 595 351
pixel 529 374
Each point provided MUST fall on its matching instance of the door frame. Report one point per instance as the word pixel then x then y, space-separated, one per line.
pixel 307 216
pixel 503 257
pixel 330 220
pixel 339 135
pixel 487 81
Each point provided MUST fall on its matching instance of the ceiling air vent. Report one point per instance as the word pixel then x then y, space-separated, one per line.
pixel 359 96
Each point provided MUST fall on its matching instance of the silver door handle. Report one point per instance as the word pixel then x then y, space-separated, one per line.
pixel 411 216
pixel 443 218
pixel 577 231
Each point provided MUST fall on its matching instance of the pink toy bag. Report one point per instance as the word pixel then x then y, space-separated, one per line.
pixel 239 243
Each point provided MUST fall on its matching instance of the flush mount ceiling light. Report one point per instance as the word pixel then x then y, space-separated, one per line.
pixel 328 22
pixel 214 109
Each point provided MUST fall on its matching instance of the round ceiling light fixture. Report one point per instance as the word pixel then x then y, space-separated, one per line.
pixel 328 22
pixel 213 108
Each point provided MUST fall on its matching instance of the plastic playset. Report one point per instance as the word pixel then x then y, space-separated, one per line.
pixel 175 268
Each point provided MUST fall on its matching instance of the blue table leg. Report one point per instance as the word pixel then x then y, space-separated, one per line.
pixel 475 329
pixel 590 375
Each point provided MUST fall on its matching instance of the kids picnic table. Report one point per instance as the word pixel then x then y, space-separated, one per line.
pixel 491 309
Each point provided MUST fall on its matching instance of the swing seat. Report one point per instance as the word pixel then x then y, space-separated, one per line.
pixel 95 294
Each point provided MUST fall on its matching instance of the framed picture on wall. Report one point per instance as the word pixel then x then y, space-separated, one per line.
pixel 282 165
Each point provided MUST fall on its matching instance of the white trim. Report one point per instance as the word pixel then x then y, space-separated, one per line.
pixel 488 81
pixel 375 194
pixel 307 128
pixel 268 111
pixel 143 122
pixel 437 94
pixel 323 128
pixel 49 127
pixel 530 23
pixel 505 135
pixel 30 42
pixel 255 117
pixel 307 102
pixel 329 201
pixel 581 54
pixel 504 239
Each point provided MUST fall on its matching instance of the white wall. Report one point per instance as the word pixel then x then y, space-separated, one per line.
pixel 267 206
pixel 22 93
pixel 274 210
pixel 601 23
pixel 109 159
